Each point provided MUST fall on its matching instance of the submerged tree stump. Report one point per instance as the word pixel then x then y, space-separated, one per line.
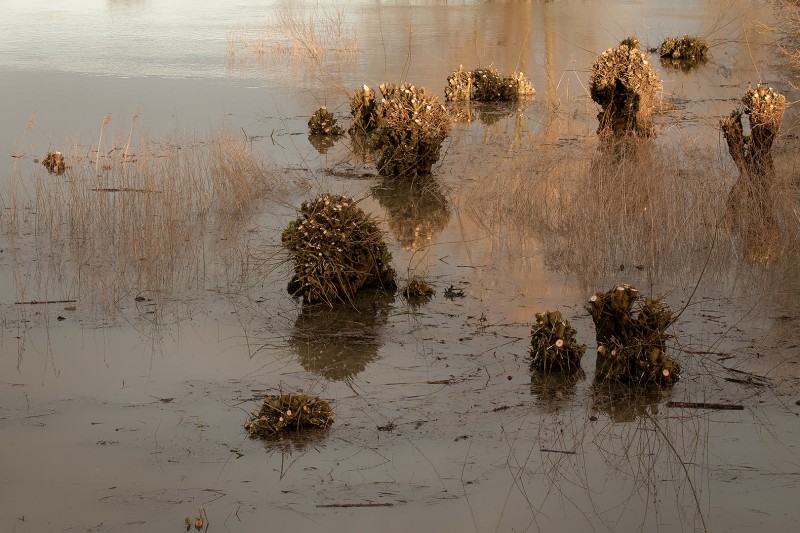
pixel 55 163
pixel 625 85
pixel 631 337
pixel 553 344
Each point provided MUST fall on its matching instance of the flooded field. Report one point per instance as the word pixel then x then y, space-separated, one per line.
pixel 145 311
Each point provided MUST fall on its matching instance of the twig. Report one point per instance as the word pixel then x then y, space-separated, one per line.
pixel 38 302
pixel 364 504
pixel 705 405
pixel 568 452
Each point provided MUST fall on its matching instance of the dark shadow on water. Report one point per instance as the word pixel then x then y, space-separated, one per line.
pixel 626 403
pixel 555 390
pixel 338 343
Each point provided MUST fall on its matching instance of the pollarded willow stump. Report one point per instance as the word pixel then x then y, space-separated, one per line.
pixel 364 109
pixel 750 201
pixel 322 122
pixel 631 337
pixel 553 344
pixel 413 126
pixel 337 249
pixel 763 110
pixel 486 85
pixel 625 85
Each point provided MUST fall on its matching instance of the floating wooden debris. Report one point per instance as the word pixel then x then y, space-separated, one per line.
pixel 322 122
pixel 55 163
pixel 683 53
pixel 337 249
pixel 289 412
pixel 553 344
pixel 625 85
pixel 631 337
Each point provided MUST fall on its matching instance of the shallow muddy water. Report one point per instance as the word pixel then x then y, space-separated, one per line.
pixel 122 401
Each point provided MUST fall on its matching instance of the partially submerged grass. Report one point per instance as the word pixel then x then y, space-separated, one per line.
pixel 600 208
pixel 304 35
pixel 159 218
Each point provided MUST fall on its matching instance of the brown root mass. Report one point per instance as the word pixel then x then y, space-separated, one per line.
pixel 289 412
pixel 625 85
pixel 631 337
pixel 553 344
pixel 337 249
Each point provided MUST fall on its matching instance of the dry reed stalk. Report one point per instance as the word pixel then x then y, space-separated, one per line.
pixel 316 34
pixel 633 204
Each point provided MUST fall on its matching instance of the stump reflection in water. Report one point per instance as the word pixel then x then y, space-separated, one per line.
pixel 338 343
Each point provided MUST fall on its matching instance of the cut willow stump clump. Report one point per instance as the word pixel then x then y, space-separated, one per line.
pixel 413 125
pixel 486 85
pixel 337 249
pixel 763 110
pixel 553 344
pixel 683 53
pixel 631 337
pixel 364 109
pixel 322 122
pixel 289 412
pixel 55 163
pixel 751 199
pixel 625 85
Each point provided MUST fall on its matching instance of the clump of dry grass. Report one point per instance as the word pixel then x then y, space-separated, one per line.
pixel 289 412
pixel 336 249
pixel 364 109
pixel 625 85
pixel 417 289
